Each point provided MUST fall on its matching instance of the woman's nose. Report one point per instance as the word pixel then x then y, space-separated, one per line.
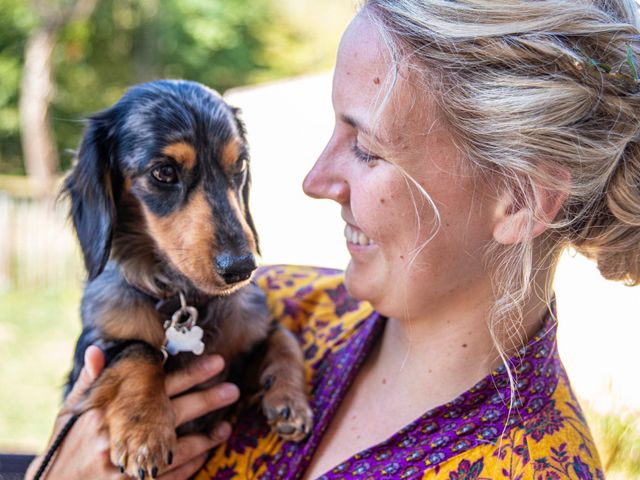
pixel 326 179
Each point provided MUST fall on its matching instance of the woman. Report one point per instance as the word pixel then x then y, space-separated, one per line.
pixel 474 140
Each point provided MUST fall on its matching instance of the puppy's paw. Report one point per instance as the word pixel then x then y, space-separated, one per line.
pixel 286 407
pixel 143 438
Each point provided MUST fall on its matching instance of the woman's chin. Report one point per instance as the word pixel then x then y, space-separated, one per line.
pixel 360 282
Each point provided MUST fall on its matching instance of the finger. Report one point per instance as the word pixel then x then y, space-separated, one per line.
pixel 93 365
pixel 192 450
pixel 190 446
pixel 94 361
pixel 194 405
pixel 194 374
pixel 186 470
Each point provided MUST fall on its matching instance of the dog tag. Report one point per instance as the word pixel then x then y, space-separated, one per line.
pixel 180 339
pixel 181 332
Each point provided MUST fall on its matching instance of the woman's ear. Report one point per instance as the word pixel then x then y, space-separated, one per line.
pixel 526 210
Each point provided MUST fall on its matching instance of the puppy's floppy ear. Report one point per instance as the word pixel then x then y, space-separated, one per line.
pixel 91 190
pixel 247 184
pixel 247 212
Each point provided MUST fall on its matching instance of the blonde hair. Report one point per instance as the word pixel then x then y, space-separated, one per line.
pixel 533 88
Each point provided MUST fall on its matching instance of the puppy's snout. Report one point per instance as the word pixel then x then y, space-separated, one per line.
pixel 234 269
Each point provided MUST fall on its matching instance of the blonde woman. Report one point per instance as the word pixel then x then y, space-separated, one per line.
pixel 474 140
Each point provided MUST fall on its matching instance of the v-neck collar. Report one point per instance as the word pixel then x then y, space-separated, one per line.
pixel 333 375
pixel 480 415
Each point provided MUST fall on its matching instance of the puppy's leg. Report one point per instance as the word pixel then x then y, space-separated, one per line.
pixel 285 402
pixel 131 388
pixel 138 413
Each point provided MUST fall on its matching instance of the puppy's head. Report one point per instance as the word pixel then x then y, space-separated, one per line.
pixel 179 151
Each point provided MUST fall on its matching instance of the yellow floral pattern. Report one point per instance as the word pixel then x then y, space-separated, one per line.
pixel 475 436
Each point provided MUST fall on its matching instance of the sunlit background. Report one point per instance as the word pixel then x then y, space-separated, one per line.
pixel 273 59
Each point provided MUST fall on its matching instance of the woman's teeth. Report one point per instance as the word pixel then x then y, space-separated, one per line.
pixel 355 237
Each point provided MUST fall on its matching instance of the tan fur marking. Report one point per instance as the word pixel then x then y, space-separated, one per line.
pixel 230 153
pixel 139 321
pixel 138 413
pixel 181 152
pixel 187 237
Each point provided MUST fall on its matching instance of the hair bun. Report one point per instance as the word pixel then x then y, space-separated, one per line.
pixel 612 237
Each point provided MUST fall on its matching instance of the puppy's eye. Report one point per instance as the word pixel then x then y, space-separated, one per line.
pixel 165 174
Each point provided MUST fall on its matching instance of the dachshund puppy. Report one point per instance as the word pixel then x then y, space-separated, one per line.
pixel 159 201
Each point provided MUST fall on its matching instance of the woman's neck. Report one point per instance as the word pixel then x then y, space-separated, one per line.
pixel 437 356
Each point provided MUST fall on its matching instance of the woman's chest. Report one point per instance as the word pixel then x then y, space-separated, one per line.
pixel 370 413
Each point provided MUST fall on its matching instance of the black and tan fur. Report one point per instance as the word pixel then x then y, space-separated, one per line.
pixel 159 200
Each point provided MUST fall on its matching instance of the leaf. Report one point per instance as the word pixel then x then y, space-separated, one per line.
pixel 631 62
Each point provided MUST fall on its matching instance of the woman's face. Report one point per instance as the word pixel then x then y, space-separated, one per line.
pixel 388 220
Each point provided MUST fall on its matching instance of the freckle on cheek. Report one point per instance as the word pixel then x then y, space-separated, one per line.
pixel 376 81
pixel 382 200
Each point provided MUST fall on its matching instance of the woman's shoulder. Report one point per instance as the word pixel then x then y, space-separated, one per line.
pixel 554 444
pixel 559 439
pixel 301 297
pixel 293 280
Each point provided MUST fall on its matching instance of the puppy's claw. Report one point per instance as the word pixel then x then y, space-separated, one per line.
pixel 287 411
pixel 170 457
pixel 141 473
pixel 285 429
pixel 154 472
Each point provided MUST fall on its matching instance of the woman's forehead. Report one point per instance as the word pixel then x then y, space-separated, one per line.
pixel 361 42
pixel 369 90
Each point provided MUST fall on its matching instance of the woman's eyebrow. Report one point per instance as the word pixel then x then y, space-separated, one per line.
pixel 348 119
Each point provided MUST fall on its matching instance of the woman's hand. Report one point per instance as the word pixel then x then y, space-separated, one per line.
pixel 84 453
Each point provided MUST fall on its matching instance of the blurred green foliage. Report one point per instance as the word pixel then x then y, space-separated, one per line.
pixel 221 43
pixel 15 23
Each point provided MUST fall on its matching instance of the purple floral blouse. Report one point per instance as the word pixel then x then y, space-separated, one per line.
pixel 475 436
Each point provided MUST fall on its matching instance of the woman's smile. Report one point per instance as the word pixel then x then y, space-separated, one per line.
pixel 356 237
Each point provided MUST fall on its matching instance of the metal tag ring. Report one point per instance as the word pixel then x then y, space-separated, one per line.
pixel 187 311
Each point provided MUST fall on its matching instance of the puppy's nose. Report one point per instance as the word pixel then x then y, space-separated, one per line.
pixel 234 269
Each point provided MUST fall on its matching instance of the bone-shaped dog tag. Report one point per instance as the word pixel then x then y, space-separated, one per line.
pixel 184 340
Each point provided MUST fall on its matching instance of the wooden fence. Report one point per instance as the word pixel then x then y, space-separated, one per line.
pixel 38 248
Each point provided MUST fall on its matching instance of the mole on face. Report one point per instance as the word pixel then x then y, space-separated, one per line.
pixel 376 81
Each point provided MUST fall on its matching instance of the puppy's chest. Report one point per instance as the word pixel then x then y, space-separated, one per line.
pixel 223 331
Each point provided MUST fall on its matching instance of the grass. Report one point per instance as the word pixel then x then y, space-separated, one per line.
pixel 37 336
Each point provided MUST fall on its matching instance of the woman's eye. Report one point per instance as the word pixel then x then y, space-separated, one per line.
pixel 360 154
pixel 165 174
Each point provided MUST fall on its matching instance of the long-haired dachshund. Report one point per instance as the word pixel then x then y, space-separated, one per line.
pixel 159 201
